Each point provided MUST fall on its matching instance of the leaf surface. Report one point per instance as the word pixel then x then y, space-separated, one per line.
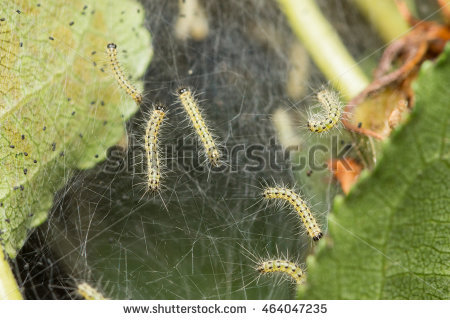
pixel 60 107
pixel 389 238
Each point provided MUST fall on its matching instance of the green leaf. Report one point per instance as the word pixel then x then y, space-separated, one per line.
pixel 389 238
pixel 60 107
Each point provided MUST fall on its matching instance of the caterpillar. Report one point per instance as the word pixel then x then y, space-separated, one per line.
pixel 300 207
pixel 283 266
pixel 191 106
pixel 120 76
pixel 330 102
pixel 89 293
pixel 151 146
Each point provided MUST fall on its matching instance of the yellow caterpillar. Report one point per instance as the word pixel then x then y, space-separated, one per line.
pixel 120 76
pixel 191 106
pixel 282 266
pixel 300 207
pixel 330 102
pixel 89 293
pixel 151 147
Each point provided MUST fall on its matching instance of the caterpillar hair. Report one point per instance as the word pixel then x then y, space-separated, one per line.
pixel 300 207
pixel 120 76
pixel 151 146
pixel 190 104
pixel 282 266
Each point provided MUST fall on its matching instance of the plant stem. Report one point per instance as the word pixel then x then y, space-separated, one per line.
pixel 384 16
pixel 324 46
pixel 9 289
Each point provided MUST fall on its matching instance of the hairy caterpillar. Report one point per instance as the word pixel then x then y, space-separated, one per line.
pixel 300 207
pixel 330 102
pixel 191 106
pixel 151 147
pixel 120 76
pixel 89 293
pixel 282 266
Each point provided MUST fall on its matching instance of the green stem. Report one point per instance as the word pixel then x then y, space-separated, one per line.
pixel 385 18
pixel 8 285
pixel 324 46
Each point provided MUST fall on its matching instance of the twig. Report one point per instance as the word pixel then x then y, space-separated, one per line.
pixel 324 46
pixel 385 18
